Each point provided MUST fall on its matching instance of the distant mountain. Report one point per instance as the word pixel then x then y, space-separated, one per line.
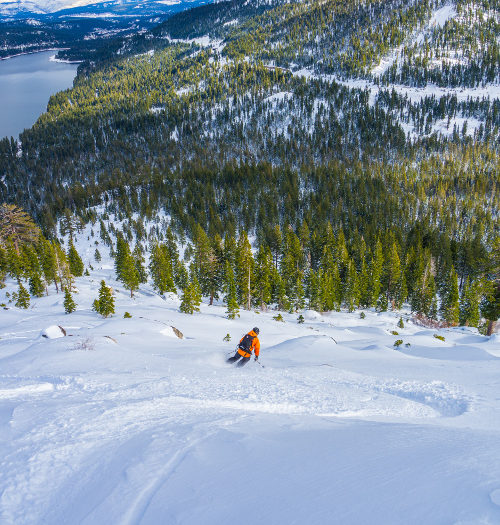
pixel 89 8
pixel 82 29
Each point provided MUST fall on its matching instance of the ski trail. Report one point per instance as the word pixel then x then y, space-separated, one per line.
pixel 139 506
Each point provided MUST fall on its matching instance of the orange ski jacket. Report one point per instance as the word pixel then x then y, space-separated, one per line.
pixel 255 345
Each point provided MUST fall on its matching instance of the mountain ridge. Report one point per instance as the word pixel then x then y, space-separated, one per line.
pixel 99 8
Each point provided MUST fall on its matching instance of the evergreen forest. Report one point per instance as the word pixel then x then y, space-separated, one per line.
pixel 311 154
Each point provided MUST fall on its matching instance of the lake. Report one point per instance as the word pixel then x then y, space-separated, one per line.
pixel 26 84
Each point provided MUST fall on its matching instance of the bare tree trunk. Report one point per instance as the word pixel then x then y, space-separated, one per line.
pixel 491 327
pixel 211 299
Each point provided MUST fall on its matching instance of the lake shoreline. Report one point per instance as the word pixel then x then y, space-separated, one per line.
pixel 43 51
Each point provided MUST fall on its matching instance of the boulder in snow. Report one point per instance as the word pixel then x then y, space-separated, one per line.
pixel 53 332
pixel 172 331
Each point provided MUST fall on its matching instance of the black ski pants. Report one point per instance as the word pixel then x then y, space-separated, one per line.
pixel 236 356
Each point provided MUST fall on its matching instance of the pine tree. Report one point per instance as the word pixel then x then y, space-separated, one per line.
pixel 351 288
pixel 171 245
pixel 14 262
pixel 329 257
pixel 281 297
pixel 491 305
pixel 189 303
pixel 16 226
pixel 97 255
pixel 230 290
pixel 206 263
pixel 139 264
pixel 215 268
pixel 393 275
pixel 244 270
pixel 313 290
pixel 36 286
pixel 29 261
pixel 75 262
pixel 341 253
pixel 376 268
pixel 69 303
pixel 450 306
pixel 105 304
pixel 63 272
pixel 330 289
pixel 197 292
pixel 121 253
pixel 129 274
pixel 229 250
pixel 69 224
pixel 23 297
pixel 182 276
pixel 414 269
pixel 292 262
pixel 263 275
pixel 275 243
pixel 365 297
pixel 299 294
pixel 400 291
pixel 429 301
pixel 423 297
pixel 470 301
pixel 160 269
pixel 48 262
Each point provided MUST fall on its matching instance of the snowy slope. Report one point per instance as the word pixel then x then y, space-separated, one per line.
pixel 120 421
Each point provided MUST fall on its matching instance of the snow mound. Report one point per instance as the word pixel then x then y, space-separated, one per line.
pixel 53 332
pixel 300 343
pixel 495 497
pixel 311 315
pixel 450 353
pixel 445 399
pixel 27 390
pixel 372 347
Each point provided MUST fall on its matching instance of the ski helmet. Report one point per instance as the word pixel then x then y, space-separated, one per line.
pixel 256 330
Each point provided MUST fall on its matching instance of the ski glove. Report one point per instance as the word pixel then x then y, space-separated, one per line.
pixel 256 358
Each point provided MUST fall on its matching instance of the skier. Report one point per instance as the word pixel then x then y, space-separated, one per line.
pixel 248 343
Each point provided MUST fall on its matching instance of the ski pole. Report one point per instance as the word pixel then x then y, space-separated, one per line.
pixel 260 363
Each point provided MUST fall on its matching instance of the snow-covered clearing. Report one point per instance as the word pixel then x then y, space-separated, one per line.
pixel 414 94
pixel 203 41
pixel 442 15
pixel 120 421
pixel 438 19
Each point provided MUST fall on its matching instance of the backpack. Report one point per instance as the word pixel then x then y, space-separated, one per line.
pixel 246 343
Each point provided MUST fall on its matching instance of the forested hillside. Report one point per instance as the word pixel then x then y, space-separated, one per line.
pixel 356 142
